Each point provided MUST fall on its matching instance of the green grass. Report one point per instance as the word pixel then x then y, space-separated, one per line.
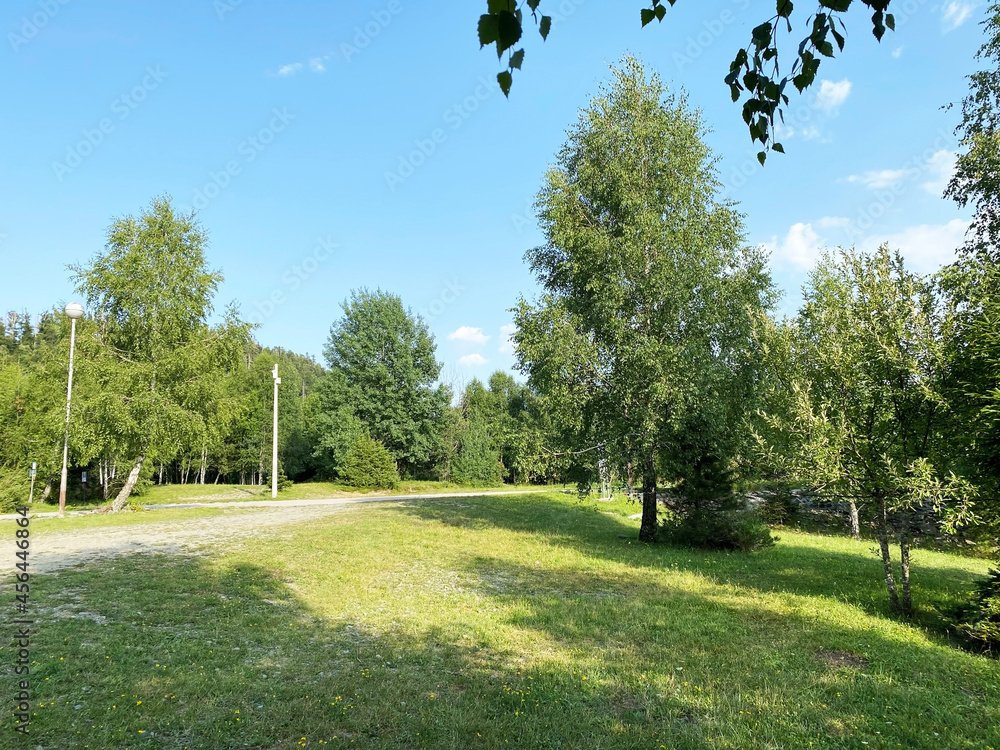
pixel 207 493
pixel 501 622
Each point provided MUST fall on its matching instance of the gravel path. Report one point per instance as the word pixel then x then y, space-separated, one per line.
pixel 53 550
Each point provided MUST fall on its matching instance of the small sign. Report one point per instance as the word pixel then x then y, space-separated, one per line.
pixel 34 468
pixel 83 477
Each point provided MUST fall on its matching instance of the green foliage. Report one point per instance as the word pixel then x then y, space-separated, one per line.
pixel 14 488
pixel 382 358
pixel 976 179
pixel 980 622
pixel 739 530
pixel 707 512
pixel 754 70
pixel 644 325
pixel 478 461
pixel 369 464
pixel 517 424
pixel 858 396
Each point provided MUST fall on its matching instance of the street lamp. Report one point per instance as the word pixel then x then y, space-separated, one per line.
pixel 74 310
pixel 274 435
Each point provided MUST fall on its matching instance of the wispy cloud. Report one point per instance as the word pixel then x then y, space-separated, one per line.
pixel 955 13
pixel 313 64
pixel 939 168
pixel 831 95
pixel 898 52
pixel 472 360
pixel 878 178
pixel 469 335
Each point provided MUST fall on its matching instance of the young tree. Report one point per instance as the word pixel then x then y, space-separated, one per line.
pixel 384 359
pixel 648 285
pixel 863 370
pixel 150 293
pixel 368 464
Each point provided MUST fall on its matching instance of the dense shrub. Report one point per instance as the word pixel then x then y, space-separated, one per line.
pixel 14 486
pixel 981 622
pixel 478 461
pixel 719 529
pixel 369 464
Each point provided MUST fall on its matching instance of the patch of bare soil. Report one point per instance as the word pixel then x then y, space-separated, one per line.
pixel 835 659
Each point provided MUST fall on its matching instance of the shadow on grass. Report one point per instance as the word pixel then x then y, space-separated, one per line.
pixel 790 567
pixel 177 652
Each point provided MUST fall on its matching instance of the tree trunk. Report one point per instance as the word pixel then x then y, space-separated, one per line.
pixel 855 521
pixel 133 477
pixel 204 456
pixel 647 531
pixel 47 491
pixel 882 530
pixel 904 557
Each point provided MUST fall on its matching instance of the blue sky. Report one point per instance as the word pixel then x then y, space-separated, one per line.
pixel 336 145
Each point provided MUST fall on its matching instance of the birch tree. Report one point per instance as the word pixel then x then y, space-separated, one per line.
pixel 647 282
pixel 150 292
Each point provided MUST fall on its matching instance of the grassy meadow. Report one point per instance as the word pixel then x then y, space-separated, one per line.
pixel 499 622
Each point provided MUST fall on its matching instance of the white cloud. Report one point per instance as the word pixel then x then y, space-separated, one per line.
pixel 784 131
pixel 290 69
pixel 507 335
pixel 316 65
pixel 469 335
pixel 800 249
pixel 876 179
pixel 925 247
pixel 472 360
pixel 831 95
pixel 940 168
pixel 955 13
pixel 898 52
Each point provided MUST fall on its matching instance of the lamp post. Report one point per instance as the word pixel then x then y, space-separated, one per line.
pixel 274 435
pixel 74 310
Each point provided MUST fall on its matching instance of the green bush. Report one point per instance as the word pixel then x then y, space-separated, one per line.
pixel 744 531
pixel 369 464
pixel 478 462
pixel 980 623
pixel 14 487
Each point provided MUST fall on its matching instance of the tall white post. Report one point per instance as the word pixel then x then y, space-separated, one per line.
pixel 73 311
pixel 274 435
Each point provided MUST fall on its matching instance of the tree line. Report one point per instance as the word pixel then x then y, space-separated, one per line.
pixel 161 395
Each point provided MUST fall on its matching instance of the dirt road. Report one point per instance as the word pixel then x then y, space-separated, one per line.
pixel 53 549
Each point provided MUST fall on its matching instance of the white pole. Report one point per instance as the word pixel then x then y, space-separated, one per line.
pixel 69 395
pixel 274 436
pixel 34 470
